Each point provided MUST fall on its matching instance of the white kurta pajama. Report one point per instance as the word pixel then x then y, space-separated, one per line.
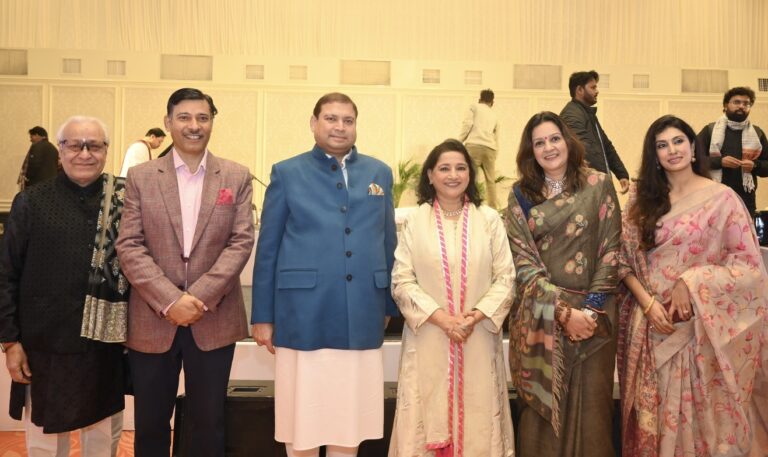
pixel 328 396
pixel 419 289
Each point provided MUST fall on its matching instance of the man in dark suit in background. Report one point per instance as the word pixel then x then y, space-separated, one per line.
pixel 580 115
pixel 42 160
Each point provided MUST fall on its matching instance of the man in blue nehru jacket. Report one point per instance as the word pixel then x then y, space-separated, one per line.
pixel 321 286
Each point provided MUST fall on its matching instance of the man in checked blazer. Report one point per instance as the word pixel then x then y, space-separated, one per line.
pixel 186 233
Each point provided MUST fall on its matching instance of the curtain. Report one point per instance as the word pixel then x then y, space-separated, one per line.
pixel 680 33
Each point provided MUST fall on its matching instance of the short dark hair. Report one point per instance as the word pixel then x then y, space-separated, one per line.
pixel 425 192
pixel 581 78
pixel 741 90
pixel 333 97
pixel 188 93
pixel 156 132
pixel 39 131
pixel 486 96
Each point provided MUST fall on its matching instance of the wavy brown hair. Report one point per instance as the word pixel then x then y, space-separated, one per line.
pixel 529 172
pixel 652 200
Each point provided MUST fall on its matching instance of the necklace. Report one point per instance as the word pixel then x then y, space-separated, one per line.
pixel 556 186
pixel 453 213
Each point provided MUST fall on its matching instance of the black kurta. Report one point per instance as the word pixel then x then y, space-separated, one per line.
pixel 44 264
pixel 42 162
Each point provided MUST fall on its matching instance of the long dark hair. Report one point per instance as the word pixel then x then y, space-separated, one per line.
pixel 652 184
pixel 529 172
pixel 426 192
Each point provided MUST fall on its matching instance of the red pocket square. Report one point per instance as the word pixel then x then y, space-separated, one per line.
pixel 225 197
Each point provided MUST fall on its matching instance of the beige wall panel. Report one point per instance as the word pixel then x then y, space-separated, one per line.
pixel 428 120
pixel 143 109
pixel 23 110
pixel 625 122
pixel 96 101
pixel 759 113
pixel 759 116
pixel 376 128
pixel 696 113
pixel 286 127
pixel 554 104
pixel 234 130
pixel 513 114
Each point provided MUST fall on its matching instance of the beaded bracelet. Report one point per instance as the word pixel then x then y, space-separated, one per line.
pixel 567 317
pixel 558 311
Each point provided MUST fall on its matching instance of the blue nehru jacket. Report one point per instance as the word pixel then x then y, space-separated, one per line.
pixel 325 253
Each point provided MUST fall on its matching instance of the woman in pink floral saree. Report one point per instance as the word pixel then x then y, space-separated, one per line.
pixel 692 323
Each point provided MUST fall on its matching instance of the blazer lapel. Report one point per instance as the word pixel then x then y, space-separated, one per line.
pixel 169 189
pixel 211 186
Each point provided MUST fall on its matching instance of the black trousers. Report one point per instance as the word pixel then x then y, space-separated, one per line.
pixel 155 382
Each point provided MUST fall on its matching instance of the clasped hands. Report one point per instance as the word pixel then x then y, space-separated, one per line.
pixel 579 325
pixel 187 310
pixel 732 162
pixel 680 302
pixel 457 328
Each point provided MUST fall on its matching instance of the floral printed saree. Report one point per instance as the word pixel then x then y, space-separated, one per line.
pixel 689 393
pixel 563 248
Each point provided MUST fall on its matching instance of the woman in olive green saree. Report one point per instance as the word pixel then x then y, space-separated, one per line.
pixel 563 225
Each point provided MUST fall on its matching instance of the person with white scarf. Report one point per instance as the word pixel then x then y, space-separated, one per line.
pixel 738 149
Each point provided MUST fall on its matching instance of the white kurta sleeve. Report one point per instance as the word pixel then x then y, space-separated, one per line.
pixel 137 153
pixel 414 303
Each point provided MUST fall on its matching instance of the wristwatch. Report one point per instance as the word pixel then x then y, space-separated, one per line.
pixel 5 346
pixel 590 313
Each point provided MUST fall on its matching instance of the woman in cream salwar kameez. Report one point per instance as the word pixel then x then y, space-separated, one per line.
pixel 452 391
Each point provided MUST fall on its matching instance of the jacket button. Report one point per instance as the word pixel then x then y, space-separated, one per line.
pixel 347 230
pixel 349 253
pixel 349 277
pixel 339 185
pixel 343 209
pixel 334 167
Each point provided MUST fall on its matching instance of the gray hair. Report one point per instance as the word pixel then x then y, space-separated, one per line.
pixel 79 119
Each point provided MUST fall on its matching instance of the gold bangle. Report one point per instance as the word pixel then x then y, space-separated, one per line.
pixel 649 305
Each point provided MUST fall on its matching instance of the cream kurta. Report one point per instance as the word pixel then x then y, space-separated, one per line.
pixel 419 289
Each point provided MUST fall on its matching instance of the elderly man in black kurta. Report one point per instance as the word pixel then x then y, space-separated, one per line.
pixel 55 287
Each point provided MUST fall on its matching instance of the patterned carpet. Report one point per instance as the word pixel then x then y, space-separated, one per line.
pixel 12 445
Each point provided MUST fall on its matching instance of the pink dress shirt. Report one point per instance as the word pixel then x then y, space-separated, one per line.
pixel 190 192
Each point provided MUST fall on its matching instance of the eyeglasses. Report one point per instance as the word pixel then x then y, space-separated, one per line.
pixel 76 146
pixel 744 103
